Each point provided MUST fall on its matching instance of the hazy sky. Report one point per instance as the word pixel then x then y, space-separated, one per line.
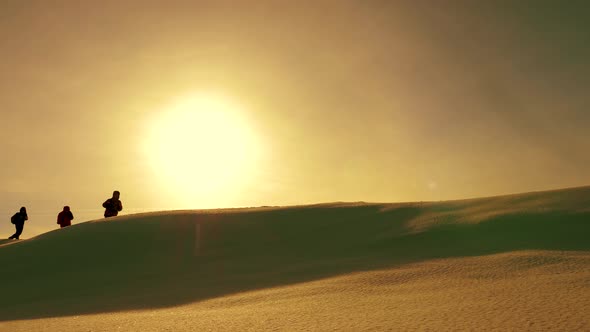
pixel 323 100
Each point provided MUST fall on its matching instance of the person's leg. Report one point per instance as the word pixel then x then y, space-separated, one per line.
pixel 19 231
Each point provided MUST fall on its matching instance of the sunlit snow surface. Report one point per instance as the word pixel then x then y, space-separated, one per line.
pixel 519 262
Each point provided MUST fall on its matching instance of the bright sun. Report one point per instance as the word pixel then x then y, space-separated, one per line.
pixel 201 146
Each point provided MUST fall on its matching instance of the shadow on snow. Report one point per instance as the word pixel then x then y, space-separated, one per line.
pixel 148 262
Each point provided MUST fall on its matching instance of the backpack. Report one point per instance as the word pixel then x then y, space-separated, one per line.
pixel 14 218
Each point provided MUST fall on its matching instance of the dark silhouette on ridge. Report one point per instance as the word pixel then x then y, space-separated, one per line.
pixel 18 219
pixel 112 205
pixel 65 217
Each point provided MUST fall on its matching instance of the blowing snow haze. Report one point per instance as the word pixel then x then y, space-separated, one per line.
pixel 295 165
pixel 206 104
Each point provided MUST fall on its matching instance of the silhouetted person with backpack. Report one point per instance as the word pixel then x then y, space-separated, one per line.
pixel 18 220
pixel 65 217
pixel 112 205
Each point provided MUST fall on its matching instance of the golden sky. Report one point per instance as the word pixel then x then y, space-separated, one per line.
pixel 321 101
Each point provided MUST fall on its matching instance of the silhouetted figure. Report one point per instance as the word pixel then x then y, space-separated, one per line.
pixel 18 220
pixel 65 217
pixel 112 205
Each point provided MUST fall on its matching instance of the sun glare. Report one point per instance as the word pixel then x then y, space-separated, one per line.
pixel 200 147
